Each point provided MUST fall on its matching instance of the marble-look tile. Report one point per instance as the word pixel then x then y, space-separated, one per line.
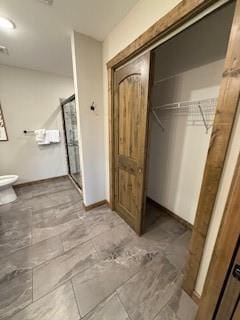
pixel 13 239
pixel 53 199
pixel 106 256
pixel 40 203
pixel 43 188
pixel 184 307
pixel 110 309
pixel 15 292
pixel 16 219
pixel 51 274
pixel 165 230
pixel 166 314
pixel 100 220
pixel 95 284
pixel 153 214
pixel 122 241
pixel 91 223
pixel 177 251
pixel 65 196
pixel 114 242
pixel 17 206
pixel 58 305
pixel 54 221
pixel 29 257
pixel 75 234
pixel 64 211
pixel 149 290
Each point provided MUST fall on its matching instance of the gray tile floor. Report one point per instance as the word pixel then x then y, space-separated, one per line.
pixel 59 262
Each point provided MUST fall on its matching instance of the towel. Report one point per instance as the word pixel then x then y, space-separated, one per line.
pixel 40 135
pixel 44 136
pixel 53 136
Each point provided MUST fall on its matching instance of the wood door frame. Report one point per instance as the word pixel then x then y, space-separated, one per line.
pixel 223 251
pixel 222 127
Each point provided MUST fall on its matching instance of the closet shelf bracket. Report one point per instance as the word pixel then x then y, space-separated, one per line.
pixel 157 119
pixel 203 117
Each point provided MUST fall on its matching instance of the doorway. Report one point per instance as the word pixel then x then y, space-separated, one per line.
pixel 182 104
pixel 71 139
pixel 200 112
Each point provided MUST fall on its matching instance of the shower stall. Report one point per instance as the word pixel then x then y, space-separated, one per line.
pixel 71 139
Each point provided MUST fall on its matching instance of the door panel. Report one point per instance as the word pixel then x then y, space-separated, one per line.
pixel 130 125
pixel 229 304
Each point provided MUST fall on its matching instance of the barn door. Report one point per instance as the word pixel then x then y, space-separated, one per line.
pixel 130 126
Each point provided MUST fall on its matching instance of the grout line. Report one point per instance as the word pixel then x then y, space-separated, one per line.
pixel 65 281
pixel 76 301
pixel 70 279
pixel 138 268
pixel 37 243
pixel 123 305
pixel 29 246
pixel 32 285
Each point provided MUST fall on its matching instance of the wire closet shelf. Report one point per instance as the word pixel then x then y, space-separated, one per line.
pixel 197 113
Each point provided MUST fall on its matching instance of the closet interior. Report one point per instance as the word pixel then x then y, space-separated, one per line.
pixel 186 73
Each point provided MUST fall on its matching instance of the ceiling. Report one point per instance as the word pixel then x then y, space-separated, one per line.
pixel 41 40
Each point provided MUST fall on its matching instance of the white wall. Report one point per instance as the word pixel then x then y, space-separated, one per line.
pixel 87 70
pixel 177 155
pixel 30 100
pixel 142 16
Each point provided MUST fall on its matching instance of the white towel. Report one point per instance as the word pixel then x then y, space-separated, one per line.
pixel 40 134
pixel 53 136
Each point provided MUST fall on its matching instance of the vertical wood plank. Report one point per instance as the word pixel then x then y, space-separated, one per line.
pixel 110 132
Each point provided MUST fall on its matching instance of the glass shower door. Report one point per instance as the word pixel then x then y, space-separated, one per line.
pixel 71 137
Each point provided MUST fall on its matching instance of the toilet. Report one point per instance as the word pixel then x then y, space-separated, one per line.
pixel 7 194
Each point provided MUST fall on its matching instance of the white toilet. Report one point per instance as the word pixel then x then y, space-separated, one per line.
pixel 7 194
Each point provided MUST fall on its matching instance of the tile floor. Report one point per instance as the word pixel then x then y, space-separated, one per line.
pixel 59 262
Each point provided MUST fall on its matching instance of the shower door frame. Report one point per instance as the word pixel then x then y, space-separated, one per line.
pixel 63 103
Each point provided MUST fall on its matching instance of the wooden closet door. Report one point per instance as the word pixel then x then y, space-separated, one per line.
pixel 130 125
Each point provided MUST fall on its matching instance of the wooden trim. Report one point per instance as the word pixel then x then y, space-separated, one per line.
pixel 224 119
pixel 225 244
pixel 170 213
pixel 225 114
pixel 196 297
pixel 111 141
pixel 176 17
pixel 39 181
pixel 95 205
